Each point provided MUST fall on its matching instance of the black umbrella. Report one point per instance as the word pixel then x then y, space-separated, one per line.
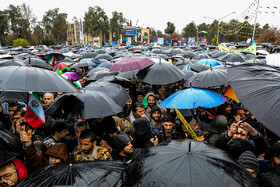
pixel 14 96
pixel 188 75
pixel 83 64
pixel 102 51
pixel 89 104
pixel 208 78
pixel 105 63
pixel 257 86
pixel 31 79
pixel 91 174
pixel 219 54
pixel 104 56
pixel 129 74
pixel 157 51
pixel 99 74
pixel 114 79
pixel 115 91
pixel 176 51
pixel 36 62
pixel 160 74
pixel 186 163
pixel 56 55
pixel 202 56
pixel 11 63
pixel 233 57
pixel 98 68
pixel 199 67
pixel 88 55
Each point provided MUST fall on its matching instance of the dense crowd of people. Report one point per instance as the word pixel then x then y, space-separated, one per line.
pixel 142 124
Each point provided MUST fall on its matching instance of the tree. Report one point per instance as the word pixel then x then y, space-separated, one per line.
pixel 214 40
pixel 170 29
pixel 28 19
pixel 159 33
pixel 38 34
pixel 20 42
pixel 153 32
pixel 190 30
pixel 96 21
pixel 271 35
pixel 4 25
pixel 15 18
pixel 55 26
pixel 116 23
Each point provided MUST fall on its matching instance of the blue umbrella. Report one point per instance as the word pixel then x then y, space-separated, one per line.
pixel 193 97
pixel 209 62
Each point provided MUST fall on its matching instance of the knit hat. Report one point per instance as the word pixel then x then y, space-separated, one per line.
pixel 219 123
pixel 120 141
pixel 109 125
pixel 276 148
pixel 248 160
pixel 151 94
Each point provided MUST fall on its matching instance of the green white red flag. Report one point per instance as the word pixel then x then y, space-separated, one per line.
pixel 34 114
pixel 51 61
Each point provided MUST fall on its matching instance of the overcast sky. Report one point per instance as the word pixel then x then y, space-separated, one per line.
pixel 156 13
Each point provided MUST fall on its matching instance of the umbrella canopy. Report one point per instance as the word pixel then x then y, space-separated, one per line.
pixel 129 74
pixel 11 63
pixel 115 91
pixel 89 104
pixel 56 55
pixel 36 62
pixel 188 75
pixel 157 51
pixel 114 78
pixel 219 54
pixel 98 173
pixel 176 51
pixel 14 96
pixel 232 57
pixel 83 64
pixel 208 78
pixel 95 75
pixel 106 64
pixel 104 56
pixel 31 79
pixel 201 56
pixel 160 74
pixel 131 63
pixel 257 88
pixel 193 97
pixel 186 163
pixel 209 62
pixel 199 67
pixel 88 55
pixel 62 66
pixel 71 75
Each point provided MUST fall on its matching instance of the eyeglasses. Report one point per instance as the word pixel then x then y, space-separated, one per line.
pixel 7 176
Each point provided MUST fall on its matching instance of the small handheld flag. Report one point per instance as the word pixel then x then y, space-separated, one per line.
pixel 34 114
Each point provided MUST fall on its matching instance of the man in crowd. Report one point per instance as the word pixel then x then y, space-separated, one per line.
pixel 151 99
pixel 156 125
pixel 79 127
pixel 48 99
pixel 122 147
pixel 88 150
pixel 172 131
pixel 12 172
pixel 241 137
pixel 59 133
pixel 137 112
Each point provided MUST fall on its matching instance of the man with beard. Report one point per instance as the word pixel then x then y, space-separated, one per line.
pixel 156 125
pixel 172 131
pixel 88 150
pixel 151 99
pixel 122 147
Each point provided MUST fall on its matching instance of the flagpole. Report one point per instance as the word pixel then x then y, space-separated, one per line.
pixel 255 21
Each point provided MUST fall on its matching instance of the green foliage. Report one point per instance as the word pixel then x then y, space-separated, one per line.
pixel 214 40
pixel 170 29
pixel 116 23
pixel 190 30
pixel 55 26
pixel 159 32
pixel 20 42
pixel 96 21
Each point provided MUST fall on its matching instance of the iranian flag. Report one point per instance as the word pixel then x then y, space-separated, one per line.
pixel 78 84
pixel 51 61
pixel 34 114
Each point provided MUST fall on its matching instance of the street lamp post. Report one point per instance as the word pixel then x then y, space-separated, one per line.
pixel 218 32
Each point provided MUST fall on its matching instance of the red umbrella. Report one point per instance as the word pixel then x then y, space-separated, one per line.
pixel 131 63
